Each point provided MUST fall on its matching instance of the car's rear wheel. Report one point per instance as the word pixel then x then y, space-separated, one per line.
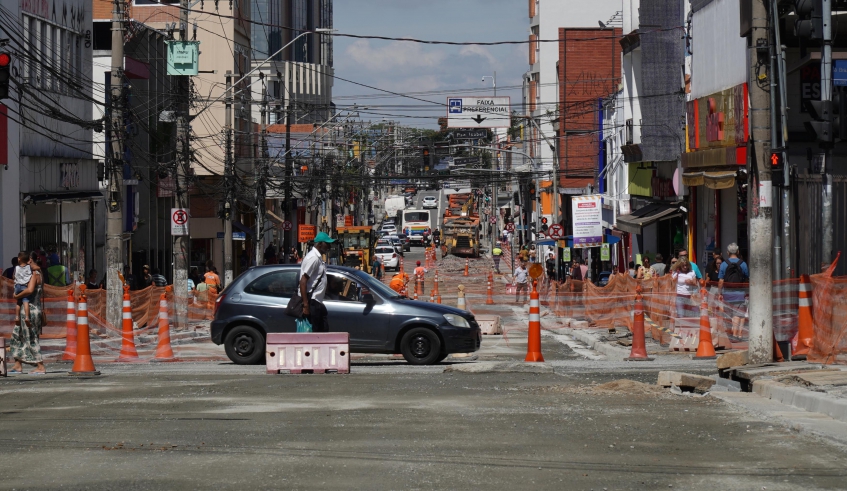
pixel 245 345
pixel 420 346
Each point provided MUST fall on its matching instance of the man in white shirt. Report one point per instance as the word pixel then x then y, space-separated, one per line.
pixel 313 283
pixel 521 281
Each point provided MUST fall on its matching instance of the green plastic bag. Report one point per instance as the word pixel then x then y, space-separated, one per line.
pixel 303 325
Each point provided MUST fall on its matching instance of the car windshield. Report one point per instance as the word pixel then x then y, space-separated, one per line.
pixel 380 287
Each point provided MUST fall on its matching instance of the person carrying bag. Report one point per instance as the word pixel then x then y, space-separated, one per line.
pixel 308 304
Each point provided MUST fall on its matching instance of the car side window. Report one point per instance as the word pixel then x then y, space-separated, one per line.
pixel 342 288
pixel 276 284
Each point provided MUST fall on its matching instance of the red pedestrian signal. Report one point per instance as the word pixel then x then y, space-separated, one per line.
pixel 5 72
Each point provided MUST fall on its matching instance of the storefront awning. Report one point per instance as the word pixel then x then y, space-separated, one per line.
pixel 635 221
pixel 62 196
pixel 710 179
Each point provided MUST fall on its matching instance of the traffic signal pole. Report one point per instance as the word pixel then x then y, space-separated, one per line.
pixel 227 207
pixel 760 197
pixel 826 98
pixel 114 209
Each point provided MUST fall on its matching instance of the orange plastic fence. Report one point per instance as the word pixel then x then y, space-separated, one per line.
pixel 829 312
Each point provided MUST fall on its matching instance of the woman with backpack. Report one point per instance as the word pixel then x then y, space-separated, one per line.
pixel 735 274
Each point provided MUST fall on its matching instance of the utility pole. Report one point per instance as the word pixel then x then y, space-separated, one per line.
pixel 114 211
pixel 261 166
pixel 760 196
pixel 290 210
pixel 180 242
pixel 826 165
pixel 228 275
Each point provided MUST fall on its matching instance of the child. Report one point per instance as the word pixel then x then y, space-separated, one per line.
pixel 23 273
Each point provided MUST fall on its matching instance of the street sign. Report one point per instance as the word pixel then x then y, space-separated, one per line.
pixel 179 221
pixel 492 220
pixel 839 73
pixel 587 221
pixel 468 134
pixel 235 235
pixel 286 225
pixel 466 161
pixel 478 112
pixel 535 270
pixel 556 231
pixel 510 227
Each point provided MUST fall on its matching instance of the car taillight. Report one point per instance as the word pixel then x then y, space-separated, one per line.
pixel 218 302
pixel 394 255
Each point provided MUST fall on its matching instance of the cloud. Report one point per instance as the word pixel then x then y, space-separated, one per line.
pixel 480 51
pixel 393 57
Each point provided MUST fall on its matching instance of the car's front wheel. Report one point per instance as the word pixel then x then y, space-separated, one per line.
pixel 245 345
pixel 420 346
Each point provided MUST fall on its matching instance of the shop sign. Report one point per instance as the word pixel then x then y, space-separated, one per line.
pixel 605 255
pixel 69 175
pixel 348 220
pixel 718 120
pixel 566 254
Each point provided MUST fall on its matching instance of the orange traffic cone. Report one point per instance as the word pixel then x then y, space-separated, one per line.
pixel 639 348
pixel 128 352
pixel 163 349
pixel 83 363
pixel 70 334
pixel 489 300
pixel 705 348
pixel 533 345
pixel 435 284
pixel 806 330
pixel 467 264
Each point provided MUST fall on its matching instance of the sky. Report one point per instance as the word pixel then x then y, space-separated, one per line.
pixel 408 68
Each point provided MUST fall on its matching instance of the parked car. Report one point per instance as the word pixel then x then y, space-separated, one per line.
pixel 388 227
pixel 378 319
pixel 430 202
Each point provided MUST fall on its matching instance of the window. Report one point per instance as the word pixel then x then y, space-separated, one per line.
pixel 277 284
pixel 342 288
pixel 416 216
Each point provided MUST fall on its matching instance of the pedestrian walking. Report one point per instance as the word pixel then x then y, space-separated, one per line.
pixel 732 285
pixel 313 283
pixel 91 283
pixel 57 274
pixel 23 275
pixel 686 287
pixel 10 272
pixel 658 267
pixel 212 280
pixel 550 263
pixel 497 253
pixel 683 254
pixel 146 279
pixel 158 279
pixel 521 279
pixel 25 346
pixel 377 267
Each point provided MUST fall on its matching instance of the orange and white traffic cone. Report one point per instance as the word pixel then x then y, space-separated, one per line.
pixel 163 348
pixel 639 347
pixel 489 300
pixel 806 332
pixel 467 265
pixel 533 345
pixel 70 334
pixel 705 348
pixel 83 363
pixel 128 352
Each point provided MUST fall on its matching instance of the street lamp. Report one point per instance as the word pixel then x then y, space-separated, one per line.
pixel 494 81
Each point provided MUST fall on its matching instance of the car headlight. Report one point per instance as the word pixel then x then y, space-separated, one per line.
pixel 456 320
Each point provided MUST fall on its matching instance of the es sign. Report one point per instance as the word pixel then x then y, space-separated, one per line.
pixel 305 233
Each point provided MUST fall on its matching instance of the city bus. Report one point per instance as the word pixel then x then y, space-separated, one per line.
pixel 414 223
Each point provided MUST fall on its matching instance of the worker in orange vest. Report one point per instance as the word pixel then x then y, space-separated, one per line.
pixel 420 271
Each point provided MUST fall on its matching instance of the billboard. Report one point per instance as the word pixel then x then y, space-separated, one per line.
pixel 587 215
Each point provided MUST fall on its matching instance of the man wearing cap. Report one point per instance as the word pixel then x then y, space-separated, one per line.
pixel 313 283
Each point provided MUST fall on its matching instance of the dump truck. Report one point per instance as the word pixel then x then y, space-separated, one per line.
pixel 461 237
pixel 356 246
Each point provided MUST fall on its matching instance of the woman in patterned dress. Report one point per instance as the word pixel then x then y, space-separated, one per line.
pixel 25 347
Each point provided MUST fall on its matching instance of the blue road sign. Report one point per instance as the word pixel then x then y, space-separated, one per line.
pixel 839 73
pixel 454 106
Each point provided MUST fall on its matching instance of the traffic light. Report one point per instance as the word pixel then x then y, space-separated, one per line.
pixel 5 72
pixel 777 168
pixel 826 123
pixel 809 21
pixel 532 190
pixel 425 156
pixel 516 198
pixel 544 225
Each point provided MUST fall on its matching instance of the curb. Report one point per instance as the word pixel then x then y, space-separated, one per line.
pixel 815 402
pixel 612 352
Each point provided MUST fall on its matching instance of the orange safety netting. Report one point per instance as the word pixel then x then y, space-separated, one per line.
pixel 829 313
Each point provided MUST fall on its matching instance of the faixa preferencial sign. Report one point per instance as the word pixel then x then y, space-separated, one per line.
pixel 478 112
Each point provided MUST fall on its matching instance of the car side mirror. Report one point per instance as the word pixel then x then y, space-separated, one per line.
pixel 368 298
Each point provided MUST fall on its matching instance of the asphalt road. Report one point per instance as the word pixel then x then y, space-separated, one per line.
pixel 492 424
